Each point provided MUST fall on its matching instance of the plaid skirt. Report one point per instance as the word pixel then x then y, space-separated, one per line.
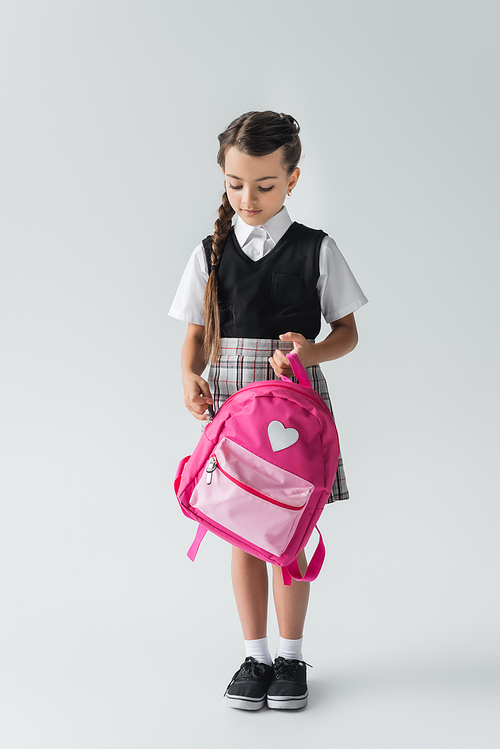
pixel 245 360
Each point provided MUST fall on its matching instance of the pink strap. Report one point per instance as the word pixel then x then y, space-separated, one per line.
pixel 193 549
pixel 287 579
pixel 298 370
pixel 314 566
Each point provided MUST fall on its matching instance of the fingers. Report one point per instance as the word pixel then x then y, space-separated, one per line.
pixel 204 389
pixel 280 364
pixel 301 347
pixel 200 408
pixel 279 370
pixel 198 398
pixel 296 338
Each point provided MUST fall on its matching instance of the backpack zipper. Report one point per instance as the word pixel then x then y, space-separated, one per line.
pixel 213 464
pixel 314 395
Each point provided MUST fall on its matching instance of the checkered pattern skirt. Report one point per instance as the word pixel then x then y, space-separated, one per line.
pixel 245 360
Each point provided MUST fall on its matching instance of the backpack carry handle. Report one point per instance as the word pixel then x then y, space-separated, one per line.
pixel 298 370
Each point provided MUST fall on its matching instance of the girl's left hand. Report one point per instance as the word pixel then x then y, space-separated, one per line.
pixel 301 347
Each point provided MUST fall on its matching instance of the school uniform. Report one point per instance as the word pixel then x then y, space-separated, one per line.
pixel 274 278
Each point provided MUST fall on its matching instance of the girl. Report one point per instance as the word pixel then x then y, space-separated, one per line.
pixel 251 293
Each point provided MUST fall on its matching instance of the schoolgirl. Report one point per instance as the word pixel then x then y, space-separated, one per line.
pixel 251 293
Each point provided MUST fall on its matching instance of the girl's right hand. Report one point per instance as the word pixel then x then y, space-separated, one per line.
pixel 197 397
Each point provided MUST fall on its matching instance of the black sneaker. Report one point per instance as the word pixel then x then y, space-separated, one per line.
pixel 288 689
pixel 248 687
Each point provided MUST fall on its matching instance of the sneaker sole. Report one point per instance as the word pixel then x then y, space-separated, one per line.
pixel 246 703
pixel 287 703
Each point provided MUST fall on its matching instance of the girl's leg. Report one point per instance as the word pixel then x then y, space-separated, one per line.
pixel 288 688
pixel 291 602
pixel 247 689
pixel 250 585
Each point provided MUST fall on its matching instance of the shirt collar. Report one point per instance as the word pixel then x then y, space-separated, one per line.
pixel 275 227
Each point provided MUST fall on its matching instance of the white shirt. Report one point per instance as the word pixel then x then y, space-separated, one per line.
pixel 338 291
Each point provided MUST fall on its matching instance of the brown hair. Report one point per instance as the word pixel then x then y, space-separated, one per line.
pixel 255 134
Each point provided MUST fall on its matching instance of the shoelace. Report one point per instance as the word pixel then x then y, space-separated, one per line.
pixel 251 668
pixel 286 668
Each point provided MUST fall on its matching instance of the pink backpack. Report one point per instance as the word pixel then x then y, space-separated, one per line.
pixel 263 471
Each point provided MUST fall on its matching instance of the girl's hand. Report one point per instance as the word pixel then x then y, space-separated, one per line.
pixel 197 397
pixel 301 347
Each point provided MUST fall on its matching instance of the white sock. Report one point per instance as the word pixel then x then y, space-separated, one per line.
pixel 290 649
pixel 259 649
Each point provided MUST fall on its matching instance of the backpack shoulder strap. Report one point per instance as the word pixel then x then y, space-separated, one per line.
pixel 193 549
pixel 313 569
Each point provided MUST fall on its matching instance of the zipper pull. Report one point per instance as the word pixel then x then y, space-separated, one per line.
pixel 211 466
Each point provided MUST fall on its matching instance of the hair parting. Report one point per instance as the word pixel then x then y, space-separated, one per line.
pixel 255 134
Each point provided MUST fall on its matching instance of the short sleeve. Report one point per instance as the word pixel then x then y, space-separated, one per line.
pixel 188 300
pixel 338 291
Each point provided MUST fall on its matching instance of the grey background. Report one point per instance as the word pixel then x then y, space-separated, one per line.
pixel 110 637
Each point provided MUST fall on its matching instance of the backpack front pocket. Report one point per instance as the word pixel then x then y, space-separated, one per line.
pixel 249 496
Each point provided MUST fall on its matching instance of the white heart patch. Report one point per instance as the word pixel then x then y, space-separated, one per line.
pixel 280 437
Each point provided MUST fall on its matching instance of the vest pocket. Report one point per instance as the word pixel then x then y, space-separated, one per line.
pixel 287 289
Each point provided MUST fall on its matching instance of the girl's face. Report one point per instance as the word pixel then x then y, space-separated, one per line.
pixel 257 185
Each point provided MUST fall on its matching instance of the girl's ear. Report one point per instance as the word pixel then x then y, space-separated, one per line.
pixel 292 180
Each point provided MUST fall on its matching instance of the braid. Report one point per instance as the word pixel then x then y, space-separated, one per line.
pixel 221 229
pixel 210 300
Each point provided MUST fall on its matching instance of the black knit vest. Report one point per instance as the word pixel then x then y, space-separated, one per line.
pixel 273 295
